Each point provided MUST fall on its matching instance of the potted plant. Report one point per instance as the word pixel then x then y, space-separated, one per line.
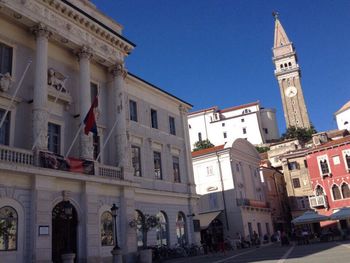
pixel 144 223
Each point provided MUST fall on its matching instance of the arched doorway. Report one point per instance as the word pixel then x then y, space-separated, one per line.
pixel 64 230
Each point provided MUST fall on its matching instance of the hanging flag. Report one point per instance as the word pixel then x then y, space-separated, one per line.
pixel 90 119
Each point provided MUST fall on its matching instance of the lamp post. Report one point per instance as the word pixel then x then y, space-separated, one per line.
pixel 117 257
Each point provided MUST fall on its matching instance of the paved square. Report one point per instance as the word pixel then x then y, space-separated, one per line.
pixel 338 252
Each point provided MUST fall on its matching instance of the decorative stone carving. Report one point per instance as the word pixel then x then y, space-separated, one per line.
pixel 40 30
pixel 86 147
pixel 40 118
pixel 5 81
pixel 84 52
pixel 119 70
pixel 56 80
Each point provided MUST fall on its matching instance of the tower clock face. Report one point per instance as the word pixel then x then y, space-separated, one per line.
pixel 291 91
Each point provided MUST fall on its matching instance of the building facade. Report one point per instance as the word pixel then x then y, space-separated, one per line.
pixel 249 121
pixel 57 194
pixel 329 168
pixel 287 72
pixel 342 117
pixel 232 196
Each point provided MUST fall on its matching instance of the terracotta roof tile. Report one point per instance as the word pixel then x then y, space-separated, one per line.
pixel 208 150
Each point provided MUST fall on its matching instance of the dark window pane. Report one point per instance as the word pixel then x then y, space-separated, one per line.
pixel 172 125
pixel 336 192
pixel 296 183
pixel 157 165
pixel 176 169
pixel 8 224
pixel 154 120
pixel 133 110
pixel 54 138
pixel 345 190
pixel 5 129
pixel 96 145
pixel 136 160
pixel 5 59
pixel 324 167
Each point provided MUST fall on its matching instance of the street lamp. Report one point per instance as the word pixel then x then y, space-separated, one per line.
pixel 114 210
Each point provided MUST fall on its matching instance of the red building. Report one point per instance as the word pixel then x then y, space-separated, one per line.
pixel 329 170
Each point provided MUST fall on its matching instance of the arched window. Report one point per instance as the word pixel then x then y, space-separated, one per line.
pixel 8 228
pixel 319 190
pixel 345 190
pixel 107 229
pixel 181 229
pixel 285 64
pixel 289 64
pixel 162 229
pixel 336 192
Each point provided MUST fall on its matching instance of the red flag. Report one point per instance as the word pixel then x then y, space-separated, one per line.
pixel 90 120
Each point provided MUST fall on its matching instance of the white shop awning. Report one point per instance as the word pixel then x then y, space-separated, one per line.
pixel 207 218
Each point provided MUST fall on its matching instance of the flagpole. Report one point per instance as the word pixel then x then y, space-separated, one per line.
pixel 76 135
pixel 50 111
pixel 75 138
pixel 104 145
pixel 15 93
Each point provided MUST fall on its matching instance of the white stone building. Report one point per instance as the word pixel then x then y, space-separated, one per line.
pixel 232 198
pixel 248 121
pixel 145 167
pixel 342 116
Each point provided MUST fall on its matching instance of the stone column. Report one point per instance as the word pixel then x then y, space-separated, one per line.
pixel 191 191
pixel 121 146
pixel 40 111
pixel 86 144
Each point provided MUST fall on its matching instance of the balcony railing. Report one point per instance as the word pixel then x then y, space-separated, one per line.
pixel 252 203
pixel 51 161
pixel 15 155
pixel 318 201
pixel 109 171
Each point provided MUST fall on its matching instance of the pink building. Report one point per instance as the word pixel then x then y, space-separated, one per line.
pixel 329 169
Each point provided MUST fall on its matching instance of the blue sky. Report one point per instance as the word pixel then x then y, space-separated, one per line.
pixel 218 52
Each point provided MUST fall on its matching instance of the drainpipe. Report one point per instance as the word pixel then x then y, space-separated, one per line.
pixel 222 190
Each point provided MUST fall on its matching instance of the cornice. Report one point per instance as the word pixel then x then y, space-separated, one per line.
pixel 71 27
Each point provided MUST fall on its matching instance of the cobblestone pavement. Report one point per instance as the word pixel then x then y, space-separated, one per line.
pixel 329 252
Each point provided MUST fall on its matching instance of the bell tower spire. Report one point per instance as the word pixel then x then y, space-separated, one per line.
pixel 288 75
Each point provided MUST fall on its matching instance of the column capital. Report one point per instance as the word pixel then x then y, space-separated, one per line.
pixel 84 52
pixel 118 70
pixel 41 30
pixel 183 109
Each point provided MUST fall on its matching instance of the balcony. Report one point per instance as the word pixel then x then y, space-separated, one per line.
pixel 49 160
pixel 318 201
pixel 251 203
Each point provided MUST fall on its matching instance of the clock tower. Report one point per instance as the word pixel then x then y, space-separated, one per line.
pixel 287 72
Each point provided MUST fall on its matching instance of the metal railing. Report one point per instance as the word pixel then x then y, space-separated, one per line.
pixel 16 155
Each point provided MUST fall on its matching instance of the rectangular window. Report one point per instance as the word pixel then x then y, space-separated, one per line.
pixel 94 90
pixel 5 129
pixel 210 171
pixel 136 160
pixel 296 183
pixel 305 163
pixel 346 155
pixel 225 135
pixel 266 130
pixel 54 138
pixel 157 165
pixel 199 136
pixel 242 120
pixel 154 120
pixel 96 145
pixel 293 165
pixel 176 169
pixel 5 59
pixel 244 130
pixel 223 124
pixel 133 110
pixel 172 125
